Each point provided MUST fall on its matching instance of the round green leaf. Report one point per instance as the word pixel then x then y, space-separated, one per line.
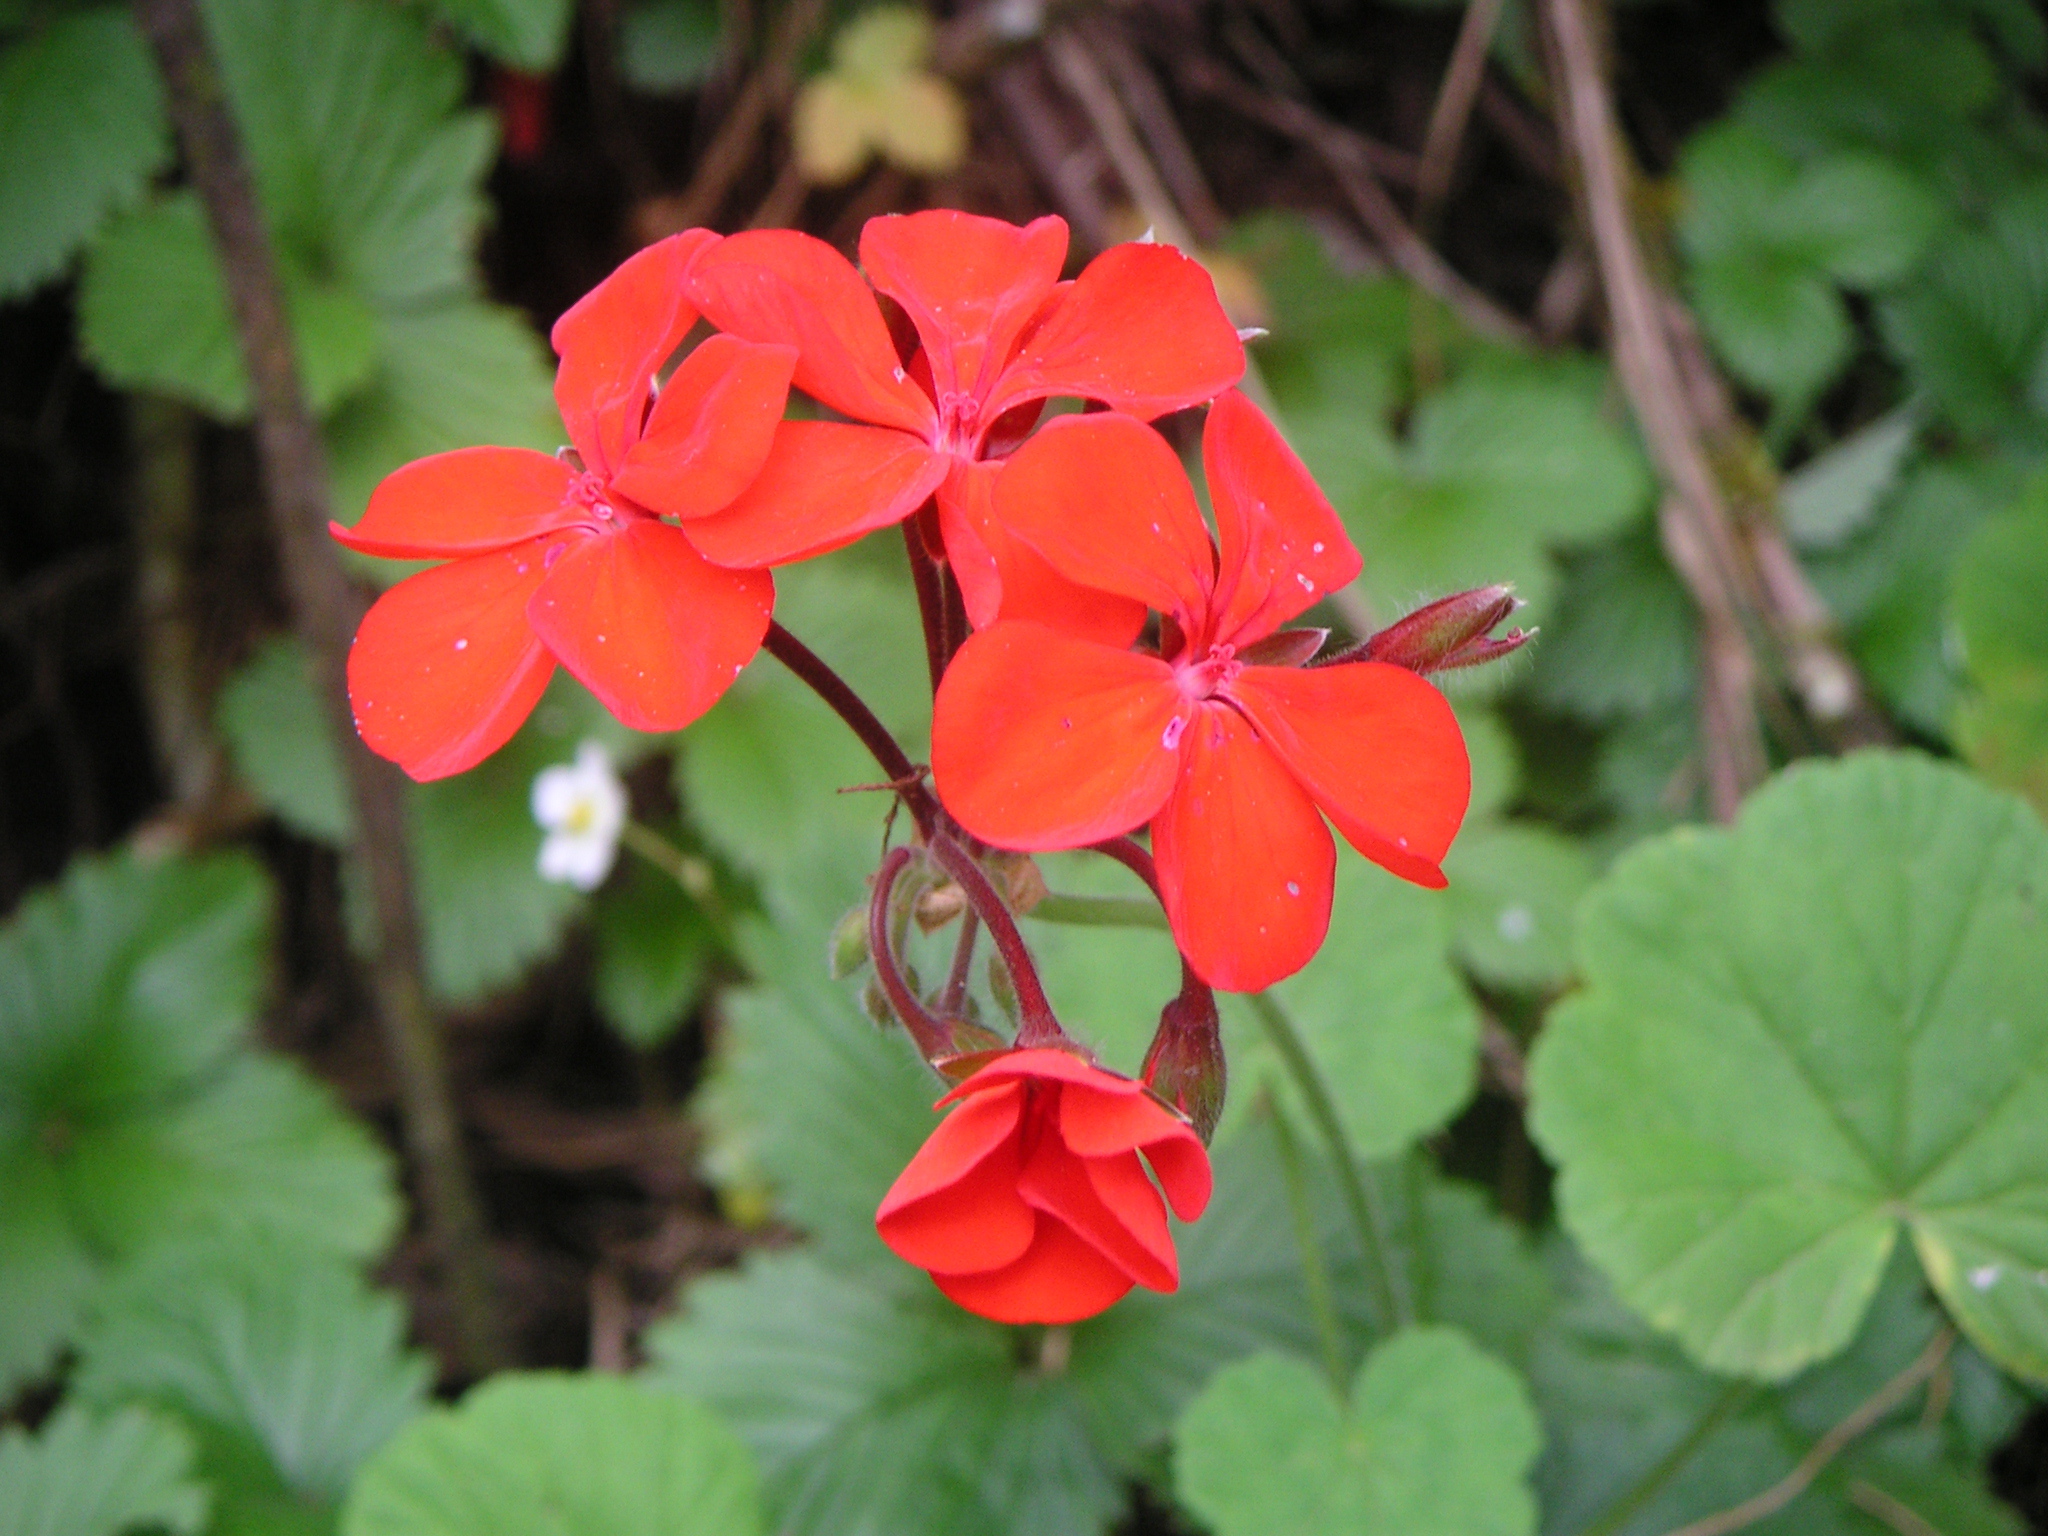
pixel 1435 1441
pixel 555 1455
pixel 1797 1034
pixel 87 1474
pixel 1513 888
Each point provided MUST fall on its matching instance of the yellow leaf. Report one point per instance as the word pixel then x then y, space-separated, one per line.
pixel 923 125
pixel 879 45
pixel 833 130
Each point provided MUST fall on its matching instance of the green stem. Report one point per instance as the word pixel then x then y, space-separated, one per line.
pixel 1315 1274
pixel 692 874
pixel 1671 1463
pixel 1361 1191
pixel 1099 911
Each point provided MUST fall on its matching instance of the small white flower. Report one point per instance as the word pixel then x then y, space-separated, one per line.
pixel 581 806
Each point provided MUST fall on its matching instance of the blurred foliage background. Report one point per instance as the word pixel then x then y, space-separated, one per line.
pixel 1749 399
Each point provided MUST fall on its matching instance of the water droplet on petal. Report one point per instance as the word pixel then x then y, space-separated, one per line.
pixel 1316 548
pixel 1170 737
pixel 1306 584
pixel 1294 887
pixel 462 645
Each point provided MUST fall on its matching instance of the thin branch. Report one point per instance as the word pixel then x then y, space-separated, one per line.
pixel 1349 162
pixel 955 996
pixel 1153 113
pixel 1830 1445
pixel 1660 1472
pixel 1453 109
pixel 726 156
pixel 1068 171
pixel 293 463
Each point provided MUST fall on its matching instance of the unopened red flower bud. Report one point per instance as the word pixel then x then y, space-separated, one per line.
pixel 1185 1065
pixel 1451 632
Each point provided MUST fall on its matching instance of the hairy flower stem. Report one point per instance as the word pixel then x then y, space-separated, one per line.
pixel 1361 1190
pixel 931 598
pixel 903 775
pixel 955 995
pixel 928 1033
pixel 1036 1023
pixel 1315 1273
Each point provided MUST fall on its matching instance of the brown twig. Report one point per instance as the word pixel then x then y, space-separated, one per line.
pixel 293 463
pixel 726 156
pixel 1343 153
pixel 1068 172
pixel 1830 1445
pixel 1453 109
pixel 1153 113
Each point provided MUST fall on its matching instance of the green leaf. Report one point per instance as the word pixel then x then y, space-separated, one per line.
pixel 450 376
pixel 670 45
pixel 272 721
pixel 1797 1034
pixel 527 34
pixel 1619 1403
pixel 879 1409
pixel 288 1369
pixel 1513 889
pixel 87 1474
pixel 1996 597
pixel 1497 469
pixel 654 953
pixel 1835 493
pixel 1778 326
pixel 1624 639
pixel 130 1107
pixel 81 133
pixel 1381 1011
pixel 153 315
pixel 1970 329
pixel 1435 1441
pixel 557 1455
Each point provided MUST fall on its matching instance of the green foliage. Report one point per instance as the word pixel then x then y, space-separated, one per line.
pixel 527 34
pixel 655 948
pixel 1503 458
pixel 1619 1404
pixel 370 183
pixel 271 718
pixel 1766 1074
pixel 286 1369
pixel 88 1474
pixel 131 1106
pixel 1834 494
pixel 555 1455
pixel 1434 1441
pixel 1997 586
pixel 670 45
pixel 81 133
pixel 1770 237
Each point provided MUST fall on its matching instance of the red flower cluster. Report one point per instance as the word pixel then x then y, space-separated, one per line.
pixel 1028 1204
pixel 640 561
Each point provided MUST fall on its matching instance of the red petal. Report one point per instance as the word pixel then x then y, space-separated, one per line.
pixel 781 286
pixel 1379 750
pixel 710 430
pixel 445 667
pixel 955 1208
pixel 1107 503
pixel 1245 863
pixel 1130 1233
pixel 1140 330
pixel 1281 545
pixel 1060 1279
pixel 613 341
pixel 969 285
pixel 1041 1064
pixel 825 484
pixel 1002 577
pixel 1040 741
pixel 464 503
pixel 648 625
pixel 1096 1124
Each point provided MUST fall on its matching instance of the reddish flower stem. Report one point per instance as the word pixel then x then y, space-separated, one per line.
pixel 903 775
pixel 958 628
pixel 1036 1023
pixel 927 1031
pixel 955 995
pixel 931 600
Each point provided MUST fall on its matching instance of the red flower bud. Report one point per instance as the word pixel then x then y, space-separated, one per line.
pixel 1450 632
pixel 1028 1204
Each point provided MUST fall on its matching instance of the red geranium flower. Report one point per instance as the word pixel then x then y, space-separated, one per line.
pixel 1028 1204
pixel 1044 739
pixel 1140 330
pixel 553 561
